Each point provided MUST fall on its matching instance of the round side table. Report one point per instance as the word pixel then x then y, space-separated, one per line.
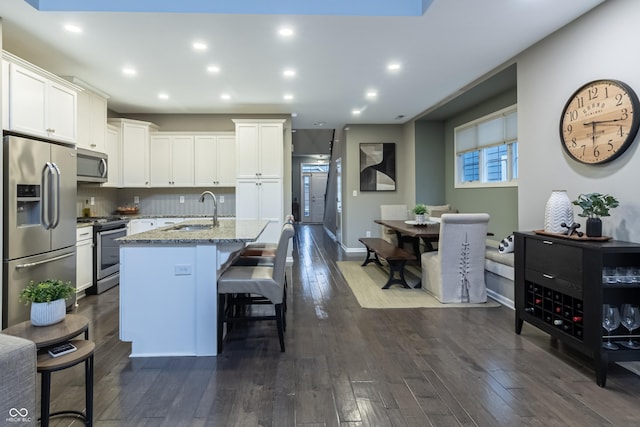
pixel 49 336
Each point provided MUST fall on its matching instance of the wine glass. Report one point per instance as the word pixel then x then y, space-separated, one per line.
pixel 630 319
pixel 610 321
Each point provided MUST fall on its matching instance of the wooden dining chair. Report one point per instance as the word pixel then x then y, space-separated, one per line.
pixel 241 287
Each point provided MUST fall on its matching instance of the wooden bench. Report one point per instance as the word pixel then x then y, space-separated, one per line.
pixel 395 256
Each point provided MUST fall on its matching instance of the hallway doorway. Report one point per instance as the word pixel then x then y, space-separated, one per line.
pixel 314 187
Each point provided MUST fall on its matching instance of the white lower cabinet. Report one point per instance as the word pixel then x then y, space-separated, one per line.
pixel 140 225
pixel 84 258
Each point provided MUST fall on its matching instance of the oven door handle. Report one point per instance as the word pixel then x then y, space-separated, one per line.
pixel 115 230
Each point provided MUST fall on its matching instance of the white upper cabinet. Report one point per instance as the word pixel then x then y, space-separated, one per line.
pixel 39 103
pixel 134 151
pixel 215 160
pixel 259 148
pixel 92 121
pixel 172 158
pixel 112 148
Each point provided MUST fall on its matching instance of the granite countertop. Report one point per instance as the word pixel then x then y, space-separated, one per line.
pixel 228 231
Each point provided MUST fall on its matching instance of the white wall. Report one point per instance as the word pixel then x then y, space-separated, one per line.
pixel 600 45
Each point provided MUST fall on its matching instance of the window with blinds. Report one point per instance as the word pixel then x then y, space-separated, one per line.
pixel 487 150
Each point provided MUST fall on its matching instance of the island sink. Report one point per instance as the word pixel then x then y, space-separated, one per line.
pixel 191 227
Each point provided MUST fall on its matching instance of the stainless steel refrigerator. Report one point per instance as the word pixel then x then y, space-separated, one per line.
pixel 39 219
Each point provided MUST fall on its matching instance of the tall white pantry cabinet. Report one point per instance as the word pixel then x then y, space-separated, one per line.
pixel 260 173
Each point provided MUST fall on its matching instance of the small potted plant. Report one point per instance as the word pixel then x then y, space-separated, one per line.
pixel 420 212
pixel 47 299
pixel 594 206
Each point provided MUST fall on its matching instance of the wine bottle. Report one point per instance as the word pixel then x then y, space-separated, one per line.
pixel 529 310
pixel 557 322
pixel 577 319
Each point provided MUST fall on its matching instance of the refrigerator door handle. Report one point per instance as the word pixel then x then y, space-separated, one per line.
pixel 45 202
pixel 56 208
pixel 33 264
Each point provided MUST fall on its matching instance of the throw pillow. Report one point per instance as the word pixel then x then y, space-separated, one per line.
pixel 506 245
pixel 441 208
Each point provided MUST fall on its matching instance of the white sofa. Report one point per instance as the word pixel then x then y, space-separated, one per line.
pixel 499 274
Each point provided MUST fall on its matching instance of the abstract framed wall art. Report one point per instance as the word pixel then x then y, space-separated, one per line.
pixel 378 166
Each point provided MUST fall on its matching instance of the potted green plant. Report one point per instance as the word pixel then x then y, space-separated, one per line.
pixel 420 211
pixel 594 206
pixel 47 298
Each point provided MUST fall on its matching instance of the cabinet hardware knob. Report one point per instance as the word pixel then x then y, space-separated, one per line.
pixel 547 242
pixel 548 276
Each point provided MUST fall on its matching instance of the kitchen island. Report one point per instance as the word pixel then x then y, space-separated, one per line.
pixel 168 284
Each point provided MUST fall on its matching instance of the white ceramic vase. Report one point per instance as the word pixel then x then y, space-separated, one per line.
pixel 557 211
pixel 48 313
pixel 420 218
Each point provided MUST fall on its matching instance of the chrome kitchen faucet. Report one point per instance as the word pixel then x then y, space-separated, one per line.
pixel 215 205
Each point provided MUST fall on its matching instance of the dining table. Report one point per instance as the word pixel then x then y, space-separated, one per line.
pixel 428 232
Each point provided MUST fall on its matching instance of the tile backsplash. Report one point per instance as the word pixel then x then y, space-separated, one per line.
pixel 154 201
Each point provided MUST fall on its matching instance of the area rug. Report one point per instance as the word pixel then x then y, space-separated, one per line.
pixel 366 283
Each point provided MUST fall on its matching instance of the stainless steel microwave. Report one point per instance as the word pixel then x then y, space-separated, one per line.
pixel 92 166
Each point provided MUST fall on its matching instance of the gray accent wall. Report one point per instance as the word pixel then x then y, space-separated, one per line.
pixel 429 162
pixel 501 203
pixel 592 47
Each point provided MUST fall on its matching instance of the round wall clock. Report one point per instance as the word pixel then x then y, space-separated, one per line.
pixel 599 121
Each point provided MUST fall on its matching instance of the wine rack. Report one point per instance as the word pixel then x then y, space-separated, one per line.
pixel 561 286
pixel 554 308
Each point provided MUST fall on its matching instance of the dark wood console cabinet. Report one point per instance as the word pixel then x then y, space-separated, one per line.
pixel 559 289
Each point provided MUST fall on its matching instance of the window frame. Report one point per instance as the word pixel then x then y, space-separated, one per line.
pixel 482 161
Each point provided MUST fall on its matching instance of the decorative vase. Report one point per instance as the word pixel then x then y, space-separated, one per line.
pixel 558 210
pixel 420 218
pixel 594 227
pixel 48 313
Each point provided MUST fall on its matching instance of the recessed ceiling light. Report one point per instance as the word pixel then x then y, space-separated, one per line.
pixel 289 72
pixel 294 114
pixel 394 66
pixel 213 69
pixel 128 71
pixel 163 96
pixel 199 46
pixel 288 96
pixel 371 94
pixel 225 96
pixel 356 112
pixel 320 123
pixel 285 31
pixel 73 28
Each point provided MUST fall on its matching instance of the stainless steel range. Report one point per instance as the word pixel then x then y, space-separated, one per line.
pixel 106 252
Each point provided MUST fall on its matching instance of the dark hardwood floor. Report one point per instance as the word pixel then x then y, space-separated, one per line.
pixel 348 366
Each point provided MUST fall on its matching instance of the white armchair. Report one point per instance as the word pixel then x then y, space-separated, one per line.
pixel 455 273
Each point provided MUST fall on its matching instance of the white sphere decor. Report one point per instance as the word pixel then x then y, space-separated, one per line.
pixel 48 313
pixel 558 210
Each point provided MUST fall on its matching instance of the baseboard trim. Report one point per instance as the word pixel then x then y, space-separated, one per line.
pixel 501 299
